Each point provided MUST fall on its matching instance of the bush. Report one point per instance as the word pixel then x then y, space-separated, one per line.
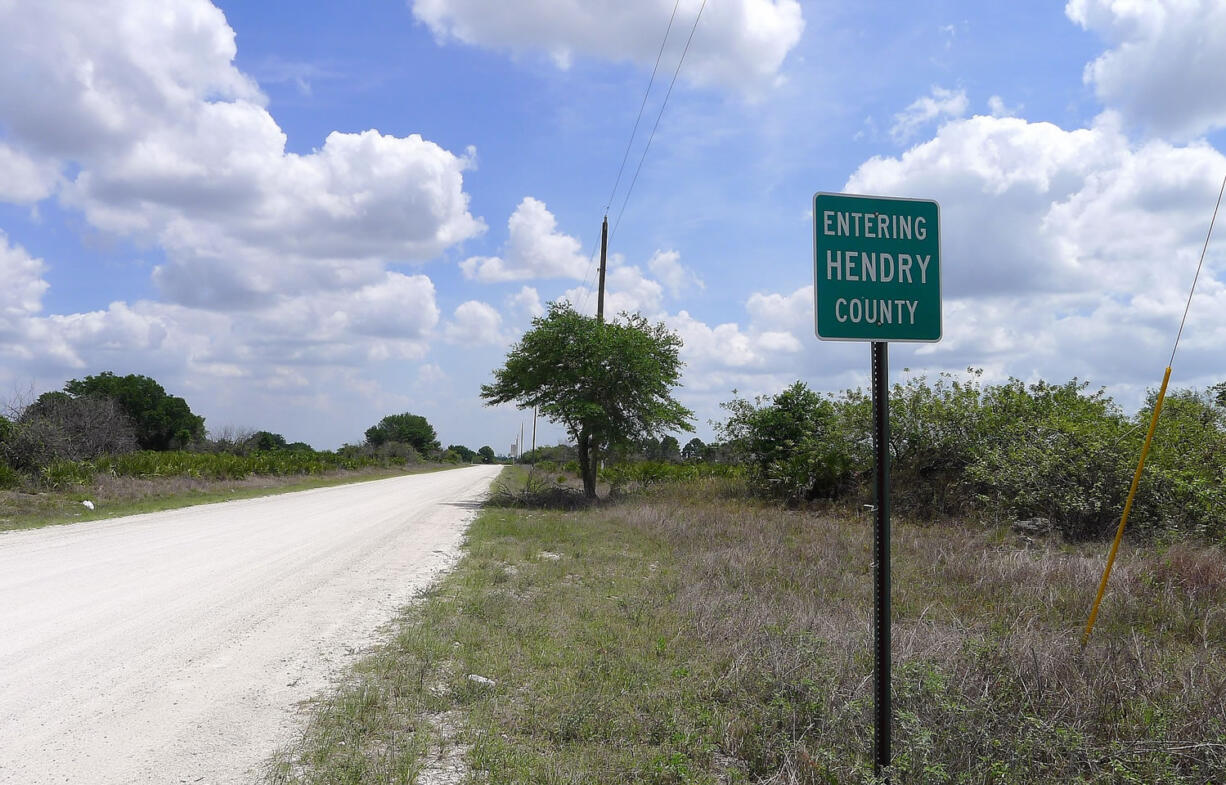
pixel 58 427
pixel 935 430
pixel 1184 488
pixel 792 445
pixel 62 475
pixel 644 474
pixel 9 477
pixel 35 443
pixel 1056 452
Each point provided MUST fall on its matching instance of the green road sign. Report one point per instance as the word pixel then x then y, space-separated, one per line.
pixel 877 268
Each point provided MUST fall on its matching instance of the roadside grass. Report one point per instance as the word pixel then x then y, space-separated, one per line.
pixel 687 635
pixel 117 496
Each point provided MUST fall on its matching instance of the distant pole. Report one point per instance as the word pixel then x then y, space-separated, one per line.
pixel 534 432
pixel 521 438
pixel 881 558
pixel 604 250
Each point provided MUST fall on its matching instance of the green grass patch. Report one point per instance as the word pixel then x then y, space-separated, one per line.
pixel 125 495
pixel 688 636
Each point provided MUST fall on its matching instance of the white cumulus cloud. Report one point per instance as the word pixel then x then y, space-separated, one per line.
pixel 534 249
pixel 666 266
pixel 526 302
pixel 159 137
pixel 1164 68
pixel 21 285
pixel 940 102
pixel 475 323
pixel 739 44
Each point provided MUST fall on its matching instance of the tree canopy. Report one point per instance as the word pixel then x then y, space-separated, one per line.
pixel 266 440
pixel 406 428
pixel 466 455
pixel 607 384
pixel 162 421
pixel 487 454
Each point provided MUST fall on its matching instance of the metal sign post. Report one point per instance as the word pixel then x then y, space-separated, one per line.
pixel 877 277
pixel 881 557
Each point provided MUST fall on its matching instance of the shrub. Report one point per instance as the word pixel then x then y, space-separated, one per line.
pixel 935 429
pixel 1184 488
pixel 792 444
pixel 1057 452
pixel 62 475
pixel 35 443
pixel 9 477
pixel 60 427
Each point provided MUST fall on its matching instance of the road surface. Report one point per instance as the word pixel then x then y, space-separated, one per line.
pixel 178 646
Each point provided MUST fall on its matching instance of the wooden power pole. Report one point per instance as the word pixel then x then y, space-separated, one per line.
pixel 604 250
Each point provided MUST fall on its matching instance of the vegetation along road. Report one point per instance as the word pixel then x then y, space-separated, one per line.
pixel 175 646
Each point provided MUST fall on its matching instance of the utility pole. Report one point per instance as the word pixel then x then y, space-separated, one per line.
pixel 534 431
pixel 594 455
pixel 604 250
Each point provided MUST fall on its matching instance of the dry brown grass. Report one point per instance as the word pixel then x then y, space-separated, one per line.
pixel 990 676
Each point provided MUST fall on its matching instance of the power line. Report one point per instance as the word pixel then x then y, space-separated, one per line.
pixel 652 135
pixel 654 127
pixel 592 268
pixel 643 105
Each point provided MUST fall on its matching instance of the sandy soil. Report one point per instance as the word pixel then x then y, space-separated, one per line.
pixel 177 646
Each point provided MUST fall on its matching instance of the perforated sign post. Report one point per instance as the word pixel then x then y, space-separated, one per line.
pixel 877 277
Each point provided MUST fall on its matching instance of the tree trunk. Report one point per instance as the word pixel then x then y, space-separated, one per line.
pixel 587 464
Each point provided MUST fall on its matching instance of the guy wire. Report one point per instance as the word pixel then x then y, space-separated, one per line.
pixel 1196 277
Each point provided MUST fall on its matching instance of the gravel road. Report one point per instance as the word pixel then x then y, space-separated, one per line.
pixel 177 647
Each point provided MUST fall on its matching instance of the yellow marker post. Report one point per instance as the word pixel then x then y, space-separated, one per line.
pixel 1132 492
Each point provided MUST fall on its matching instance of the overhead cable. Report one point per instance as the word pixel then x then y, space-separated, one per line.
pixel 660 114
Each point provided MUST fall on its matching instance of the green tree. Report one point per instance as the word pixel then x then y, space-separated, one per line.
pixel 466 455
pixel 607 384
pixel 693 450
pixel 487 454
pixel 162 421
pixel 406 428
pixel 264 440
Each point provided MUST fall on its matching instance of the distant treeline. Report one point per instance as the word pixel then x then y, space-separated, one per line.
pixel 130 426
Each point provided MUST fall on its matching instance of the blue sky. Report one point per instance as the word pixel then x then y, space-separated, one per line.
pixel 302 217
